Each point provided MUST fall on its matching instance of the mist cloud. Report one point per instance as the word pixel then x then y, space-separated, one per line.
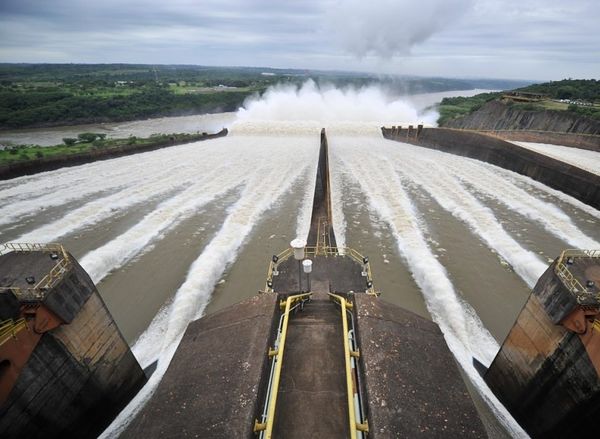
pixel 390 27
pixel 312 106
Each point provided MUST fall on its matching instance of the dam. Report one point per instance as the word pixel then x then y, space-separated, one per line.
pixel 404 195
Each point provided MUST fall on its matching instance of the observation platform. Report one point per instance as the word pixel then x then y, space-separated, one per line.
pixel 65 369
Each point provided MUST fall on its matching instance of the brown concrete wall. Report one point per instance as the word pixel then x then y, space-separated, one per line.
pixel 413 385
pixel 29 167
pixel 211 388
pixel 542 373
pixel 571 180
pixel 582 141
pixel 322 198
pixel 79 376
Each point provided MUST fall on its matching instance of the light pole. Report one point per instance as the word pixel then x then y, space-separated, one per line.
pixel 298 247
pixel 307 265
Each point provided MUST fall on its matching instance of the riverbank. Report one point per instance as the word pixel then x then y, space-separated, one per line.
pixel 210 123
pixel 26 160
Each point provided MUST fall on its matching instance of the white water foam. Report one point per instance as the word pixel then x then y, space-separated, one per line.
pixel 308 108
pixel 464 333
pixel 111 175
pixel 487 180
pixel 337 188
pixel 526 182
pixel 192 171
pixel 168 214
pixel 453 197
pixel 98 175
pixel 167 329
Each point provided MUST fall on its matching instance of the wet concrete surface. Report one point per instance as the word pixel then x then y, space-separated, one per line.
pixel 312 397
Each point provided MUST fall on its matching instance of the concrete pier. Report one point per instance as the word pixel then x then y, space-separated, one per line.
pixel 66 370
pixel 214 382
pixel 547 372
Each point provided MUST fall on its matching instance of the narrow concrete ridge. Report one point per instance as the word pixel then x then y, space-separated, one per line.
pixel 574 181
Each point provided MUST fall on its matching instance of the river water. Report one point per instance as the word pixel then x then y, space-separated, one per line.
pixel 173 234
pixel 210 123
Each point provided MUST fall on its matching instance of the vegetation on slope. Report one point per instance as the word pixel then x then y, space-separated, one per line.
pixel 579 96
pixel 88 142
pixel 572 89
pixel 451 108
pixel 66 94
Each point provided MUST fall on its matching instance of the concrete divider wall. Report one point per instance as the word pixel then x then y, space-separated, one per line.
pixel 583 141
pixel 29 167
pixel 581 184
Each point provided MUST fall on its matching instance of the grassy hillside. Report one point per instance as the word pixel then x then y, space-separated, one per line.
pixel 578 96
pixel 451 108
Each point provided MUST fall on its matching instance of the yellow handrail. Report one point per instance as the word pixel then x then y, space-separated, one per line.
pixel 9 329
pixel 320 251
pixel 278 352
pixel 568 279
pixel 354 426
pixel 38 291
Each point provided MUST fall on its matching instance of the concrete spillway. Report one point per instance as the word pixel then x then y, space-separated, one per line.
pixel 577 182
pixel 289 369
pixel 120 211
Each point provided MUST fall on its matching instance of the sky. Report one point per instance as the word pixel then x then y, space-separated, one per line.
pixel 512 39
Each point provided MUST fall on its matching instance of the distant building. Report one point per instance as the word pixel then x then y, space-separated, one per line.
pixel 523 96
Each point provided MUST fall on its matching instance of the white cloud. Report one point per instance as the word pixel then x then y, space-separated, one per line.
pixel 390 27
pixel 527 39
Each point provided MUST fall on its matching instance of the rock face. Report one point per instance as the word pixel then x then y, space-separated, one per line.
pixel 496 115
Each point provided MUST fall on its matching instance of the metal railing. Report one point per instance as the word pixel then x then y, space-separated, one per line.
pixel 321 251
pixel 38 290
pixel 323 233
pixel 356 419
pixel 9 329
pixel 265 425
pixel 569 280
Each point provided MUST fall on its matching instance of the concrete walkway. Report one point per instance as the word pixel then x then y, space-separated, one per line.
pixel 312 395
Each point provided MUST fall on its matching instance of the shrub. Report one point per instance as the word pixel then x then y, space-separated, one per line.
pixel 69 141
pixel 87 137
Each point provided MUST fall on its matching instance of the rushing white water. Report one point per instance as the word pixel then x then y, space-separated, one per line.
pixel 463 331
pixel 56 189
pixel 257 167
pixel 337 187
pixel 330 106
pixel 162 337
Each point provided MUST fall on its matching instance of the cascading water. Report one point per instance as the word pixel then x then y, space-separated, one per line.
pixel 271 150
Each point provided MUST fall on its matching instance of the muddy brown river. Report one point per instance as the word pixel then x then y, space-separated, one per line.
pixel 173 234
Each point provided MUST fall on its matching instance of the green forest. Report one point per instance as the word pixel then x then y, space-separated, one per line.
pixel 36 95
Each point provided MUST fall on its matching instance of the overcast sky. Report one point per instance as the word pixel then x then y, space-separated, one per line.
pixel 520 39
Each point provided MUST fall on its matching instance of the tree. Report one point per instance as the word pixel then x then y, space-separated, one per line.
pixel 69 141
pixel 87 137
